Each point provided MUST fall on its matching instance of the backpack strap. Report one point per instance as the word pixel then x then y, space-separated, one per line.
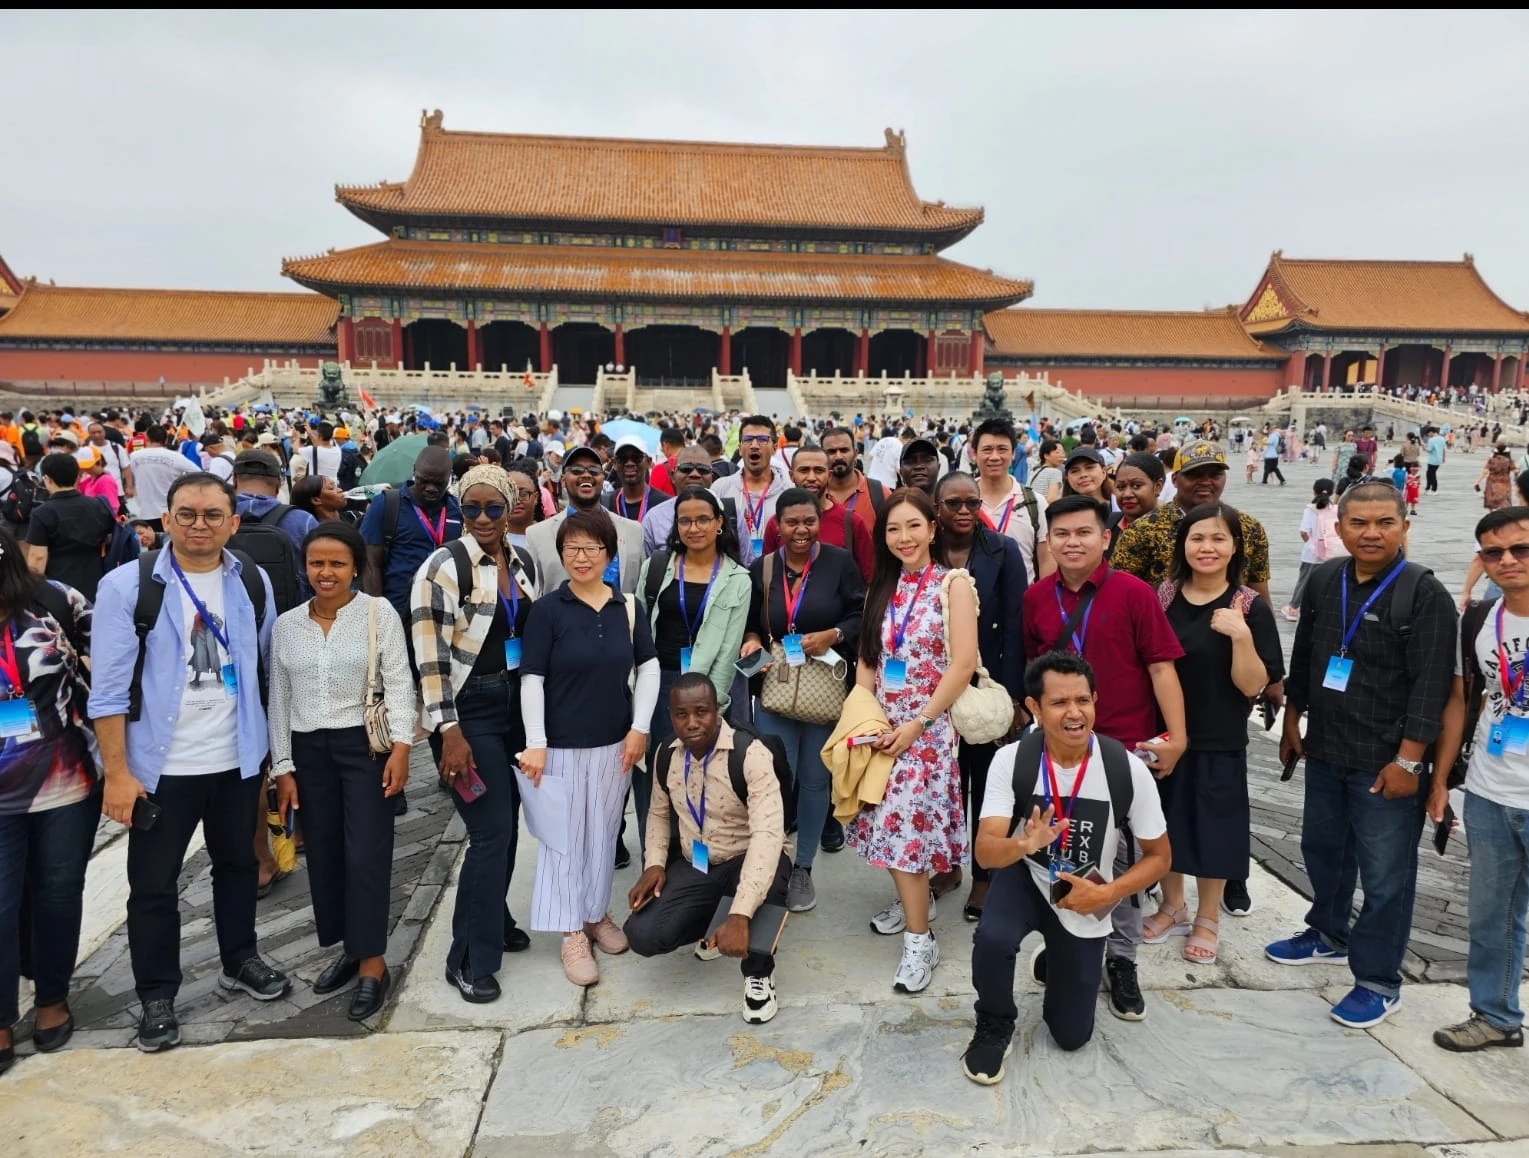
pixel 274 516
pixel 392 503
pixel 1472 678
pixel 766 573
pixel 146 609
pixel 878 494
pixel 1033 509
pixel 658 566
pixel 464 563
pixel 1404 598
pixel 1027 774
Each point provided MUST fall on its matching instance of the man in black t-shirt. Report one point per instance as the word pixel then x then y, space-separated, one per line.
pixel 67 535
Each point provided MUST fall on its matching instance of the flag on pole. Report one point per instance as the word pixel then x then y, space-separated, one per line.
pixel 367 400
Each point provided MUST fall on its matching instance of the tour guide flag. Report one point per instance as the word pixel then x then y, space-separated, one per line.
pixel 367 400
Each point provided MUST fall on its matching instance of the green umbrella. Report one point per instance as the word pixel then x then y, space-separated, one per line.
pixel 394 463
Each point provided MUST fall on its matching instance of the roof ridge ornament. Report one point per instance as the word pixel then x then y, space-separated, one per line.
pixel 896 141
pixel 431 122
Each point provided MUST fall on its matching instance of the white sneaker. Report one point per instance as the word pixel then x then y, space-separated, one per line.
pixel 921 953
pixel 892 920
pixel 759 1000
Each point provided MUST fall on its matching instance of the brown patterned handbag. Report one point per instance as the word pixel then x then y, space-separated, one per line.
pixel 812 692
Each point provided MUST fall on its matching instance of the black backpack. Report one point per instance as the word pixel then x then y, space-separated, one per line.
pixel 350 469
pixel 1117 774
pixel 744 735
pixel 262 539
pixel 119 547
pixel 1403 593
pixel 31 442
pixel 20 498
pixel 151 601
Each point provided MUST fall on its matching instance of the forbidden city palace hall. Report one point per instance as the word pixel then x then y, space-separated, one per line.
pixel 681 258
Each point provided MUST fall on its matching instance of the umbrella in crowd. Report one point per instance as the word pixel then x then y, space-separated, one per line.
pixel 394 463
pixel 622 427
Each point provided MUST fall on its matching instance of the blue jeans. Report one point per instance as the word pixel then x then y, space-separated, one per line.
pixel 44 853
pixel 1499 841
pixel 804 746
pixel 1350 835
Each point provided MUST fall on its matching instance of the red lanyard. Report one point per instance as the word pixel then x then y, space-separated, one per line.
pixel 793 599
pixel 8 665
pixel 1001 527
pixel 1512 686
pixel 1054 797
pixel 437 534
pixel 900 631
pixel 753 513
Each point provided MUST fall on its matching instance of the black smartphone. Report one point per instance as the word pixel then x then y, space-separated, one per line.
pixel 145 813
pixel 1269 712
pixel 1059 890
pixel 1442 830
pixel 1289 770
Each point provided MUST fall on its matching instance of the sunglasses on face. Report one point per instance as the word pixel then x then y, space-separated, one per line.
pixel 581 471
pixel 956 506
pixel 478 510
pixel 691 468
pixel 1519 551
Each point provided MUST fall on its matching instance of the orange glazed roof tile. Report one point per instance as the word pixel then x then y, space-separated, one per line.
pixel 676 183
pixel 652 273
pixel 1203 334
pixel 153 315
pixel 1425 296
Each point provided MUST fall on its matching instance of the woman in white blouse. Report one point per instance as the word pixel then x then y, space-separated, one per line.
pixel 320 656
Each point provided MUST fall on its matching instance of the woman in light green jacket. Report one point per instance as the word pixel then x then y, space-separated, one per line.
pixel 697 625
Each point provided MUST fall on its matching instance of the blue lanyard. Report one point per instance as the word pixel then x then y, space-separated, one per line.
pixel 1352 628
pixel 212 624
pixel 900 630
pixel 698 817
pixel 512 608
pixel 1082 633
pixel 700 614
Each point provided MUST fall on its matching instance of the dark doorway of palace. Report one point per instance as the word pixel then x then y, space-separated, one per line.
pixel 897 352
pixel 436 341
pixel 580 348
pixel 673 355
pixel 511 346
pixel 829 352
pixel 765 353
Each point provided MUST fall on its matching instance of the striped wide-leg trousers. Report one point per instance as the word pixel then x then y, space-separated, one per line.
pixel 573 887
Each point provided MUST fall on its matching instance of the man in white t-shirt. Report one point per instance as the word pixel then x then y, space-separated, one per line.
pixel 1006 502
pixel 1496 785
pixel 155 468
pixel 886 456
pixel 319 456
pixel 1052 857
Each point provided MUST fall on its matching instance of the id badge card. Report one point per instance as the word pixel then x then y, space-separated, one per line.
pixel 700 856
pixel 230 680
pixel 795 656
pixel 1497 740
pixel 18 720
pixel 685 659
pixel 894 674
pixel 512 654
pixel 612 571
pixel 1060 865
pixel 756 545
pixel 1339 668
pixel 1515 735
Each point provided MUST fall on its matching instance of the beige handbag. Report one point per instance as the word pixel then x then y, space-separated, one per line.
pixel 812 692
pixel 374 713
pixel 983 713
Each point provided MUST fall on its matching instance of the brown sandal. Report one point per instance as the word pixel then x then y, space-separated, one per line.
pixel 1203 941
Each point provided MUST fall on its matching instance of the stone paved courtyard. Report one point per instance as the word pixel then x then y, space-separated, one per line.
pixel 1238 1058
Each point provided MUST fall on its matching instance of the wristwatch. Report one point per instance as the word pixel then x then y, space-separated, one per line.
pixel 1411 767
pixel 924 722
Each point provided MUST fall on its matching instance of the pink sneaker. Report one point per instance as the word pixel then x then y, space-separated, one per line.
pixel 607 936
pixel 578 962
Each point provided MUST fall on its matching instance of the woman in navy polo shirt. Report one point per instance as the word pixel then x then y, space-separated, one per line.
pixel 584 733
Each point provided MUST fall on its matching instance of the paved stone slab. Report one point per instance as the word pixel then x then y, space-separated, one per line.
pixel 1519 1149
pixel 389 1094
pixel 885 1079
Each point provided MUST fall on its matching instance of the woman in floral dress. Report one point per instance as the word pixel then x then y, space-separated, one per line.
pixel 919 825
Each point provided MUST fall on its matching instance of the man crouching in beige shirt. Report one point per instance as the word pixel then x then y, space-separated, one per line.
pixel 729 845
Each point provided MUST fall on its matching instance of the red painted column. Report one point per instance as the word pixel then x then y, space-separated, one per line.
pixel 1380 368
pixel 1327 373
pixel 725 352
pixel 397 344
pixel 974 363
pixel 796 351
pixel 546 349
pixel 347 339
pixel 863 353
pixel 1444 371
pixel 1496 373
pixel 931 355
pixel 474 345
pixel 620 346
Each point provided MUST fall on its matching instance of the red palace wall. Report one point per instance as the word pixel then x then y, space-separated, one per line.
pixel 142 366
pixel 1136 382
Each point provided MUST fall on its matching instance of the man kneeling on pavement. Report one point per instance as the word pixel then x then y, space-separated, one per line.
pixel 1049 822
pixel 728 846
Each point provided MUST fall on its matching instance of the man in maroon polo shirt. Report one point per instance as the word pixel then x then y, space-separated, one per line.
pixel 1114 621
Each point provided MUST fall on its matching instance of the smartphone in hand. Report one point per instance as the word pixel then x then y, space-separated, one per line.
pixel 1442 830
pixel 469 786
pixel 1289 770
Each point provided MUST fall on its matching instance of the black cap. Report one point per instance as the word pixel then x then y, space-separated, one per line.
pixel 581 452
pixel 922 445
pixel 1083 454
pixel 256 464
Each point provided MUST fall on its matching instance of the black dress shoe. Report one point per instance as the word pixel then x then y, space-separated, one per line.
pixel 370 993
pixel 479 992
pixel 623 854
pixel 516 940
pixel 48 1040
pixel 339 972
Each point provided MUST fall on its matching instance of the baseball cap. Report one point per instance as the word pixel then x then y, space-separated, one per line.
pixel 257 463
pixel 68 436
pixel 1082 454
pixel 581 452
pixel 87 457
pixel 630 441
pixel 266 438
pixel 342 432
pixel 1200 452
pixel 919 446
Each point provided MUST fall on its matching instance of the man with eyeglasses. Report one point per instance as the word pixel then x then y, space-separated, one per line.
pixel 754 488
pixel 583 479
pixel 182 730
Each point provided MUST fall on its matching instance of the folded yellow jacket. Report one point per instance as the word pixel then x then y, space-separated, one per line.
pixel 859 773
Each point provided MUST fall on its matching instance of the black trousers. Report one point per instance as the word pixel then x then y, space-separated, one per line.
pixel 1013 909
pixel 225 806
pixel 1271 466
pixel 1431 481
pixel 974 761
pixel 348 835
pixel 681 914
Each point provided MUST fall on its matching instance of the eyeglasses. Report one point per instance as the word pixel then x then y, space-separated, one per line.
pixel 759 438
pixel 582 471
pixel 188 518
pixel 691 468
pixel 956 506
pixel 478 510
pixel 1519 551
pixel 687 523
pixel 579 551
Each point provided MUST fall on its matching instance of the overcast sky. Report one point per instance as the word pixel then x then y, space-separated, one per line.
pixel 1127 161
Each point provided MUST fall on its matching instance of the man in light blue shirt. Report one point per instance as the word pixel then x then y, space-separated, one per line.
pixel 182 732
pixel 1433 443
pixel 691 468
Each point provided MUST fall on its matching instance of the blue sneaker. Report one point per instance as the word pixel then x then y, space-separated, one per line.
pixel 1362 1008
pixel 1304 948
